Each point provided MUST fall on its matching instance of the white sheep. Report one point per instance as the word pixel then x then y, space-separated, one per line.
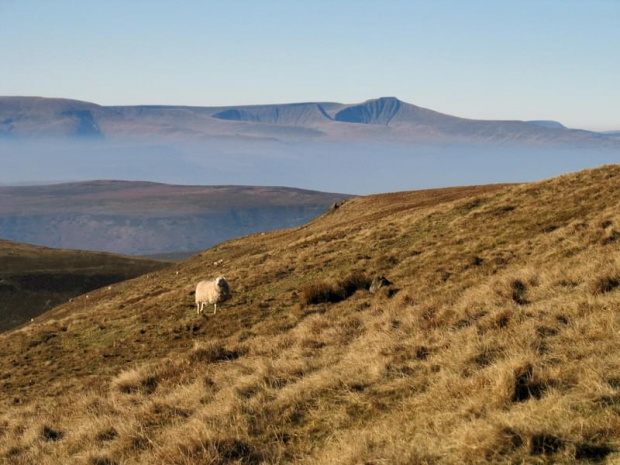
pixel 211 292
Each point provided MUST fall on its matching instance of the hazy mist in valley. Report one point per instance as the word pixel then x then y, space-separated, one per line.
pixel 357 168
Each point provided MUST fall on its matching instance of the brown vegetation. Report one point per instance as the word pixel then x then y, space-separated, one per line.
pixel 500 347
pixel 35 279
pixel 334 291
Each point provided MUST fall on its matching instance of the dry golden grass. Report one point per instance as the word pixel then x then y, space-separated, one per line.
pixel 498 343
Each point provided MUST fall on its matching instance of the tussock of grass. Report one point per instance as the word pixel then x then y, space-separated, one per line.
pixel 51 434
pixel 212 351
pixel 101 461
pixel 334 291
pixel 136 380
pixel 108 434
pixel 606 283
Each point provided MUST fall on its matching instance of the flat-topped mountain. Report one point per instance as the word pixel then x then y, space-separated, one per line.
pixel 150 218
pixel 548 124
pixel 381 145
pixel 35 116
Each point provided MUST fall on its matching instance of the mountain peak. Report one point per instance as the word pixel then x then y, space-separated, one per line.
pixel 385 100
pixel 377 111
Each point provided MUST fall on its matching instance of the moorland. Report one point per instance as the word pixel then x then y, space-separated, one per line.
pixel 495 343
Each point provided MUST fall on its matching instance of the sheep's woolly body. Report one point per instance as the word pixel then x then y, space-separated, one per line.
pixel 211 292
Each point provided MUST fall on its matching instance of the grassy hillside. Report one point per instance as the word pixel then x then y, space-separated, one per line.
pixel 496 343
pixel 35 279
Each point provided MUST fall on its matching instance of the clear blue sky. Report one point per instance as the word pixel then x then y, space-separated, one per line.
pixel 495 59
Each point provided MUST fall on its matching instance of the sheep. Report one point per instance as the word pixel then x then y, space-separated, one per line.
pixel 211 292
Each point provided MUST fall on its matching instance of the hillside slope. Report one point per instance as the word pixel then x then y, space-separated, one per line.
pixel 496 343
pixel 35 279
pixel 150 218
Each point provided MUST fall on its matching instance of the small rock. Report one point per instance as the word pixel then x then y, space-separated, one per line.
pixel 337 205
pixel 378 282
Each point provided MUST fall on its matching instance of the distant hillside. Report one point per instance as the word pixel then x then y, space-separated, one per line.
pixel 380 145
pixel 385 119
pixel 496 342
pixel 37 116
pixel 149 218
pixel 548 124
pixel 35 279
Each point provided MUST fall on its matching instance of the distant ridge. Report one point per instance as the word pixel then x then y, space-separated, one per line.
pixel 33 115
pixel 379 111
pixel 548 124
pixel 384 118
pixel 294 114
pixel 146 218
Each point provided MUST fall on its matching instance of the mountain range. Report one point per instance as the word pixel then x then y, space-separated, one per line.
pixel 384 118
pixel 380 145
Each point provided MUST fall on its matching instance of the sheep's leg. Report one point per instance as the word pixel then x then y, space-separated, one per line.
pixel 215 307
pixel 197 308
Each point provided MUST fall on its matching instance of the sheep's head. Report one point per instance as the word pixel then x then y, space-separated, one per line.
pixel 220 282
